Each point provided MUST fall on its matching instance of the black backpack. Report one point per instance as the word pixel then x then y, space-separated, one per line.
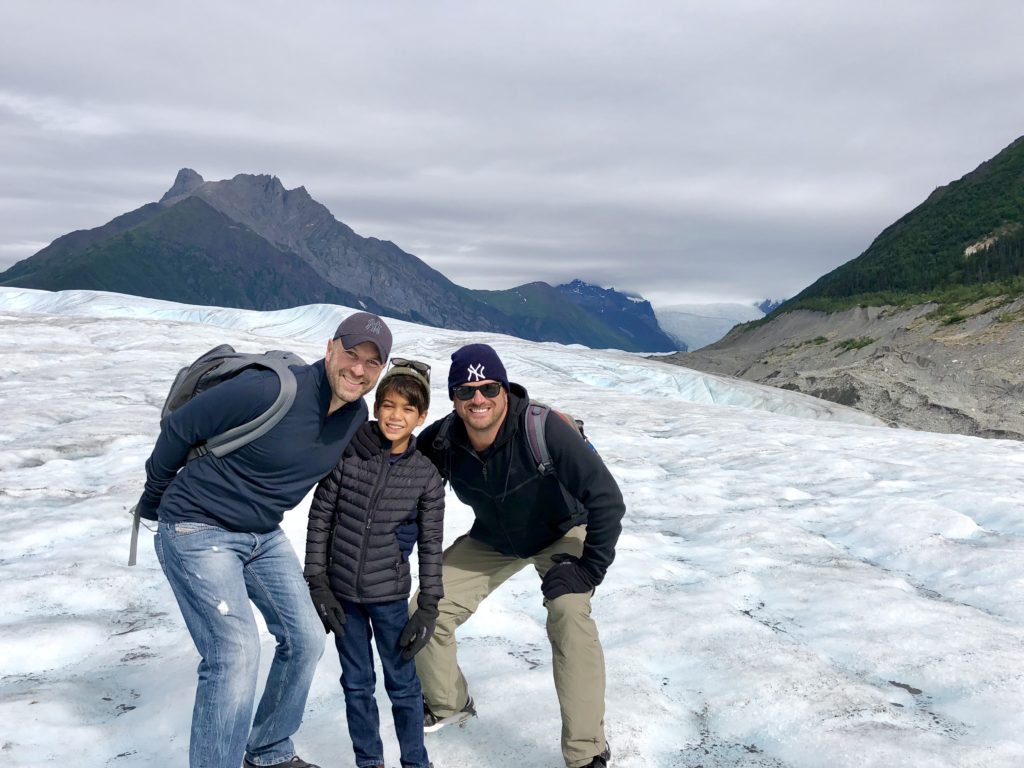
pixel 207 371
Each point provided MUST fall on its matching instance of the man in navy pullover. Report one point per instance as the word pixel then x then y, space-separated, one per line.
pixel 220 543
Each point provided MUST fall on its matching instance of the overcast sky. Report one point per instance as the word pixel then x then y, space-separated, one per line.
pixel 686 151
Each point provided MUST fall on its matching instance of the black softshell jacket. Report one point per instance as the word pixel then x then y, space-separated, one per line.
pixel 365 518
pixel 519 511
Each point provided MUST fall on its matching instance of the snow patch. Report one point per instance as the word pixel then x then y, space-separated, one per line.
pixel 792 581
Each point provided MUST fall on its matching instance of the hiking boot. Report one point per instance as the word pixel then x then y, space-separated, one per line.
pixel 432 722
pixel 601 761
pixel 295 762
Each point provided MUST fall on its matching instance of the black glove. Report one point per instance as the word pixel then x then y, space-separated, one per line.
pixel 565 577
pixel 331 614
pixel 417 631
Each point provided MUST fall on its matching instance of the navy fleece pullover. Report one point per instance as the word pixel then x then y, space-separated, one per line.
pixel 251 488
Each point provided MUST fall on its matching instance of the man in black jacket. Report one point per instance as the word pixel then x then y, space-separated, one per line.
pixel 565 524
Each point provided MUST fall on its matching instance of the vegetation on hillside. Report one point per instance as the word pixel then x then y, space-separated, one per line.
pixel 541 311
pixel 965 242
pixel 188 253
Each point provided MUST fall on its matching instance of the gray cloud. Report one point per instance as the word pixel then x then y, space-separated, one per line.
pixel 682 150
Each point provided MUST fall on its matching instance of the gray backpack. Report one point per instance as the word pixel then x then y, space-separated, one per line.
pixel 536 417
pixel 207 371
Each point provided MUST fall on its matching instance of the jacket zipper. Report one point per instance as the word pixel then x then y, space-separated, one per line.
pixel 494 498
pixel 375 493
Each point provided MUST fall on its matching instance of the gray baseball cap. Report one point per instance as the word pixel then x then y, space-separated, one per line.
pixel 364 326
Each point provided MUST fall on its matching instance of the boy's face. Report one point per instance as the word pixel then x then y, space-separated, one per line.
pixel 398 418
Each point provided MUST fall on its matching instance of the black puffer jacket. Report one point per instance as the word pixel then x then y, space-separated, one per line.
pixel 520 512
pixel 366 516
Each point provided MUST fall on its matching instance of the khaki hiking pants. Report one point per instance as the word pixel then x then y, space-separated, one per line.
pixel 471 571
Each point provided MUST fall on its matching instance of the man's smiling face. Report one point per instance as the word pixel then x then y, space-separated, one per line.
pixel 481 414
pixel 351 372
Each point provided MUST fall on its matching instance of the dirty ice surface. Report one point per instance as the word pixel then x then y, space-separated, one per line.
pixel 795 585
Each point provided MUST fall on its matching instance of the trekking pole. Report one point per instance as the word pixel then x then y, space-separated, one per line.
pixel 133 549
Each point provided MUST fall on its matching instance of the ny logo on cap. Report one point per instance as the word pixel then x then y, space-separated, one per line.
pixel 374 325
pixel 475 372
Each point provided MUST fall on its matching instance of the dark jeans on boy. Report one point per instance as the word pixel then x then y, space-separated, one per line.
pixel 383 623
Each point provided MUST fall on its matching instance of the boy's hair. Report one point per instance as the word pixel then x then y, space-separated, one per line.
pixel 409 387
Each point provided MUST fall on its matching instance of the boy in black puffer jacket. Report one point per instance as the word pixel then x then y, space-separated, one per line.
pixel 383 498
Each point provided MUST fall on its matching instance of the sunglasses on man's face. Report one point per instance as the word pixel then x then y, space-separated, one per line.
pixel 416 365
pixel 466 392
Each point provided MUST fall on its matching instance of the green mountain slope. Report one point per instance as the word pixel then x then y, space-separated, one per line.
pixel 249 242
pixel 59 257
pixel 541 311
pixel 965 241
pixel 188 253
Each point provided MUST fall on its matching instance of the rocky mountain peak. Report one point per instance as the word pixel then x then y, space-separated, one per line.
pixel 584 291
pixel 631 314
pixel 185 183
pixel 260 202
pixel 258 194
pixel 257 184
pixel 249 242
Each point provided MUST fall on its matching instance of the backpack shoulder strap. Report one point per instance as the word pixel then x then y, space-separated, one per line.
pixel 441 440
pixel 223 362
pixel 536 417
pixel 442 444
pixel 234 438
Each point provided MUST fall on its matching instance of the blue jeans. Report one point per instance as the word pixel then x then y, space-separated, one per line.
pixel 383 623
pixel 214 573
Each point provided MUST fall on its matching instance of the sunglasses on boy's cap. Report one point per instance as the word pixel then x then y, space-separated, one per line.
pixel 416 365
pixel 466 392
pixel 413 369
